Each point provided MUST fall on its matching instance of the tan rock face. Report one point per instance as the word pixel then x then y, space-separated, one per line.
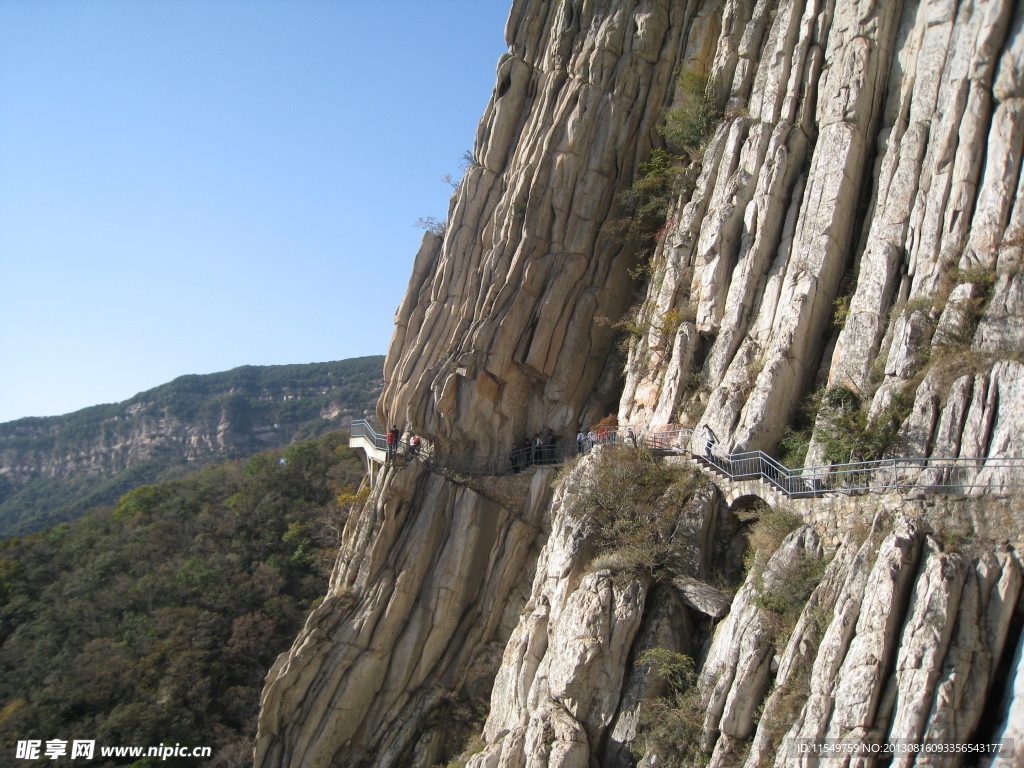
pixel 500 333
pixel 423 596
pixel 870 151
pixel 566 692
pixel 899 639
pixel 736 671
pixel 498 336
pixel 790 211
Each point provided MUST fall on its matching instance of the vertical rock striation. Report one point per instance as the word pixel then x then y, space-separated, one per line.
pixel 568 689
pixel 429 579
pixel 500 332
pixel 870 158
pixel 854 221
pixel 498 335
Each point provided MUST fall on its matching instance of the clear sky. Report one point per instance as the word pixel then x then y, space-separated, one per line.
pixel 187 186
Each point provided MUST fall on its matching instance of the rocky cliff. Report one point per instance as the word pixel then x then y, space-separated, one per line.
pixel 52 469
pixel 855 223
pixel 838 272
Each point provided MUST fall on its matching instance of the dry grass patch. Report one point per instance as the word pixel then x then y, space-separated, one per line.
pixel 631 501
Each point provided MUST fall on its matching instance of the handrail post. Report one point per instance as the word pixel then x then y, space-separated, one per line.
pixel 895 477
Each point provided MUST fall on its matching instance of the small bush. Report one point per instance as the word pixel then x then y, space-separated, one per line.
pixel 625 558
pixel 953 353
pixel 671 726
pixel 672 732
pixel 473 746
pixel 432 224
pixel 638 322
pixel 693 399
pixel 951 539
pixel 849 434
pixel 779 718
pixel 631 501
pixel 783 604
pixel 691 124
pixel 766 535
pixel 677 669
pixel 350 498
pixel 946 364
pixel 840 311
pixel 921 304
pixel 793 448
pixel 646 203
pixel 460 720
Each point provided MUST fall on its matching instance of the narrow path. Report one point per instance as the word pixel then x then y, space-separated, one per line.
pixel 959 475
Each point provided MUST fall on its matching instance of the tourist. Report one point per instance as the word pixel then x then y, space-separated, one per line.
pixel 709 440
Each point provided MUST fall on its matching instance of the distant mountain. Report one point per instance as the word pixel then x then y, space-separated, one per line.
pixel 53 469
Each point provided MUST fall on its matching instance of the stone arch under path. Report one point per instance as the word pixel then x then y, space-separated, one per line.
pixel 747 504
pixel 738 512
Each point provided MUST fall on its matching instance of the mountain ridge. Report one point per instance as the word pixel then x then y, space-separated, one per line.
pixel 53 468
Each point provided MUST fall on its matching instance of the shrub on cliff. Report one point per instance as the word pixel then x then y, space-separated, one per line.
pixel 693 122
pixel 782 604
pixel 631 501
pixel 646 204
pixel 849 433
pixel 671 725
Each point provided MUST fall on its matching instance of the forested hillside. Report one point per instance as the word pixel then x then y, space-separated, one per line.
pixel 53 469
pixel 155 621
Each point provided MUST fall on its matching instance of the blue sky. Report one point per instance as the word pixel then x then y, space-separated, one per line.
pixel 187 186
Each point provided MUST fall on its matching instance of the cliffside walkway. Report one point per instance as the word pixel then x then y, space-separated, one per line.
pixel 957 476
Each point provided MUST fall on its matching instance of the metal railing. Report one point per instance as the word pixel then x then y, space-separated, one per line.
pixel 497 464
pixel 937 475
pixel 362 428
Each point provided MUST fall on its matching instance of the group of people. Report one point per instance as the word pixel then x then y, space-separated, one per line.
pixel 531 451
pixel 587 440
pixel 393 441
pixel 538 450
